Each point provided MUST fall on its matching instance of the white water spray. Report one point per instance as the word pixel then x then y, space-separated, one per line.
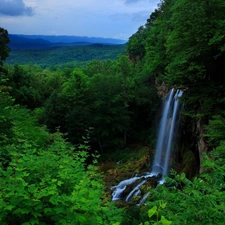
pixel 167 128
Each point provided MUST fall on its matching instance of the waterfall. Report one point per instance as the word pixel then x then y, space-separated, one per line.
pixel 166 133
pixel 127 189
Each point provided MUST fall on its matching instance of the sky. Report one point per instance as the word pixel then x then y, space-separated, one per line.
pixel 94 18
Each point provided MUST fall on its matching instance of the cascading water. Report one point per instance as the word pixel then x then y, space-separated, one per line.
pixel 166 133
pixel 127 189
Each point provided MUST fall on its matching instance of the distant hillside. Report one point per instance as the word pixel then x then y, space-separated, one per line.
pixel 74 39
pixel 19 41
pixel 65 55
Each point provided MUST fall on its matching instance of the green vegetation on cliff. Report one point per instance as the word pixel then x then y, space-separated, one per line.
pixel 182 46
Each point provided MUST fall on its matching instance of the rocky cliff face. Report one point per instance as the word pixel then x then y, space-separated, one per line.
pixel 193 135
pixel 202 146
pixel 162 90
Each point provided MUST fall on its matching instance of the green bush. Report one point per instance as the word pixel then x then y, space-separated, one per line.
pixel 52 186
pixel 155 217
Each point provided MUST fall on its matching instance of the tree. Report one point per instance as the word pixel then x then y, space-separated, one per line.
pixel 6 103
pixel 77 95
pixel 159 26
pixel 195 44
pixel 31 85
pixel 68 107
pixel 4 49
pixel 135 45
pixel 104 67
pixel 109 115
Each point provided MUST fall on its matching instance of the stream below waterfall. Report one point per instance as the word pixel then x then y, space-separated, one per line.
pixel 126 190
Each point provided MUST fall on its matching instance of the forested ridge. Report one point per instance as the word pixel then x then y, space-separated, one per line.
pixel 58 125
pixel 64 56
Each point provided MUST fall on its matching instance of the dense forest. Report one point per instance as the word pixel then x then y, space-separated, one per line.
pixel 65 57
pixel 59 125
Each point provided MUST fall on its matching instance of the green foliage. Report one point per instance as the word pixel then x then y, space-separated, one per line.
pixel 158 27
pixel 61 57
pixel 177 52
pixel 17 124
pixel 30 85
pixel 132 216
pixel 44 179
pixel 192 57
pixel 143 216
pixel 215 130
pixel 104 67
pixel 155 211
pixel 69 107
pixel 52 185
pixel 26 126
pixel 109 114
pixel 103 95
pixel 200 201
pixel 6 103
pixel 4 49
pixel 76 88
pixel 135 46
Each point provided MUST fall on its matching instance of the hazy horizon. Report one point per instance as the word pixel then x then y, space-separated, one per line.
pixel 65 35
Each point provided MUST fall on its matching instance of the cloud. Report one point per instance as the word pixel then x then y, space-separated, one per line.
pixel 132 1
pixel 119 17
pixel 136 17
pixel 151 2
pixel 140 16
pixel 15 8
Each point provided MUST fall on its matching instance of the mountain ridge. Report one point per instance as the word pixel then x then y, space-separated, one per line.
pixel 22 41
